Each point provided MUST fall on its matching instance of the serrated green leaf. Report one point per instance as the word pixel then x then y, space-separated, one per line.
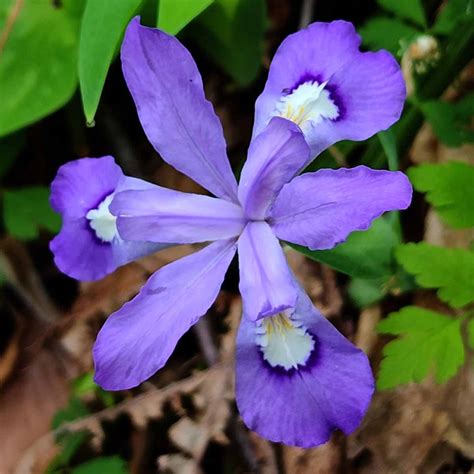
pixel 367 254
pixel 450 122
pixel 231 32
pixel 38 64
pixel 102 29
pixel 174 15
pixel 452 14
pixel 387 33
pixel 450 270
pixel 102 465
pixel 408 9
pixel 450 190
pixel 429 342
pixel 27 210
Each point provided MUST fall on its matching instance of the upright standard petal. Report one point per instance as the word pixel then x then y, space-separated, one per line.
pixel 319 210
pixel 165 215
pixel 265 284
pixel 320 80
pixel 88 246
pixel 178 120
pixel 138 339
pixel 275 156
pixel 298 378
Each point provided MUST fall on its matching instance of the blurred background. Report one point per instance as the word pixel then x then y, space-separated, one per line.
pixel 403 291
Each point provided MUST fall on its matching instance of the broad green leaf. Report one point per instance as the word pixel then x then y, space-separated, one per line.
pixel 451 122
pixel 27 210
pixel 103 25
pixel 387 33
pixel 231 32
pixel 408 9
pixel 365 292
pixel 470 333
pixel 38 63
pixel 453 13
pixel 367 254
pixel 449 189
pixel 174 15
pixel 450 270
pixel 102 465
pixel 429 342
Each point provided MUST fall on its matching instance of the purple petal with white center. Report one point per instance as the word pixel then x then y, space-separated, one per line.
pixel 302 405
pixel 138 339
pixel 177 118
pixel 274 158
pixel 266 284
pixel 165 215
pixel 81 185
pixel 80 193
pixel 319 79
pixel 319 210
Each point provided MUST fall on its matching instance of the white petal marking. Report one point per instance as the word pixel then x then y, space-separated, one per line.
pixel 102 221
pixel 307 105
pixel 284 342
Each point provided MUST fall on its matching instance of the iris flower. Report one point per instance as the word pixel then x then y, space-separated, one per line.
pixel 297 377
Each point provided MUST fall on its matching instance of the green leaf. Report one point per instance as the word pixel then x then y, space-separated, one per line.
pixel 102 465
pixel 174 15
pixel 231 32
pixel 38 63
pixel 450 270
pixel 70 443
pixel 102 29
pixel 408 9
pixel 470 333
pixel 75 409
pixel 365 292
pixel 27 210
pixel 429 342
pixel 452 14
pixel 450 190
pixel 451 122
pixel 367 254
pixel 10 147
pixel 387 33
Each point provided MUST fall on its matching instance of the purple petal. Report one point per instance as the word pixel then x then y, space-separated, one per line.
pixel 138 339
pixel 178 120
pixel 266 284
pixel 83 184
pixel 301 406
pixel 348 94
pixel 274 158
pixel 80 254
pixel 319 210
pixel 165 215
pixel 79 187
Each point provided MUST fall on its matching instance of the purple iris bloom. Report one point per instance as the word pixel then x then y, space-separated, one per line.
pixel 297 377
pixel 89 246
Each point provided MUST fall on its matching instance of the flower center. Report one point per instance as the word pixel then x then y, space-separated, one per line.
pixel 284 341
pixel 102 221
pixel 308 104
